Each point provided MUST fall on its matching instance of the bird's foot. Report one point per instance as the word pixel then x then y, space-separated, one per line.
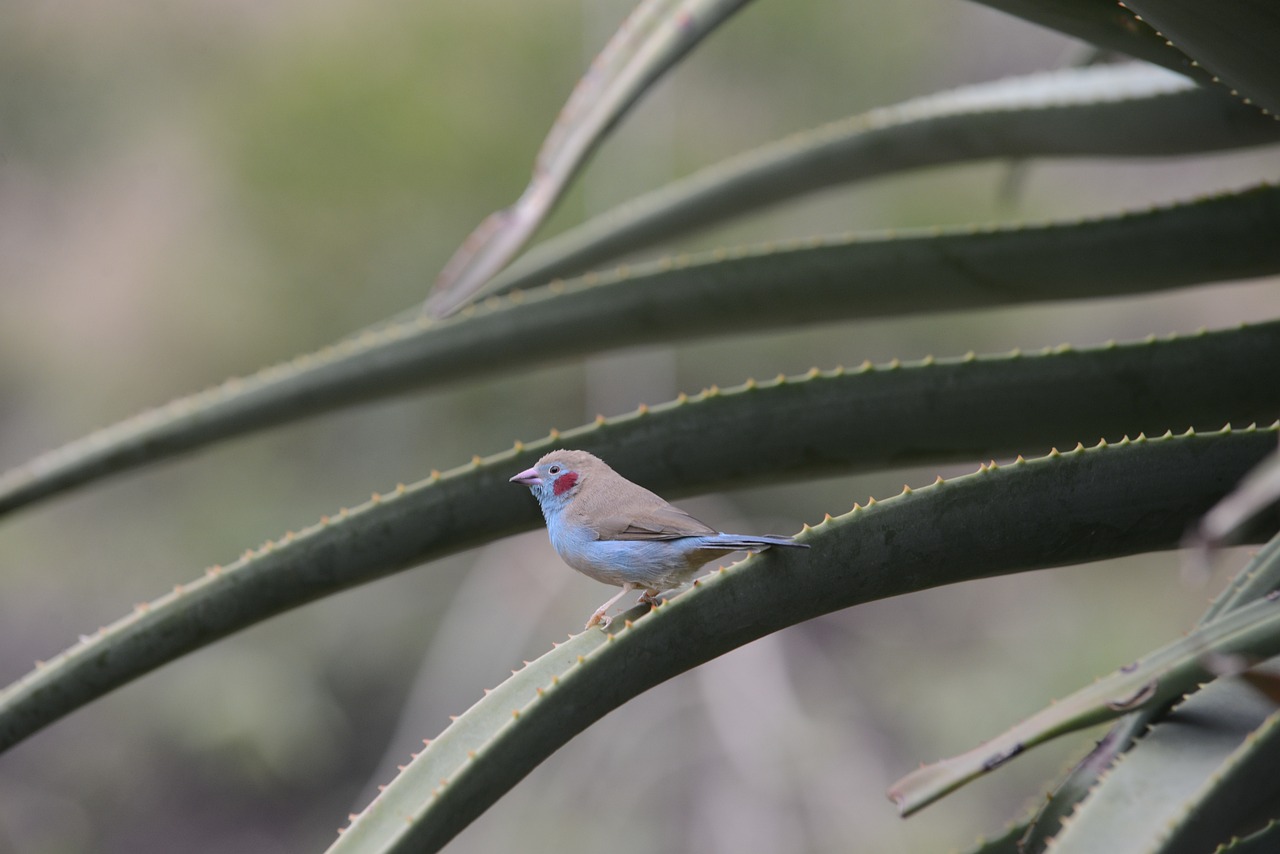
pixel 649 597
pixel 601 619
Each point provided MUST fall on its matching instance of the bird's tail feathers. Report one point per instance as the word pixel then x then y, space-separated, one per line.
pixel 741 542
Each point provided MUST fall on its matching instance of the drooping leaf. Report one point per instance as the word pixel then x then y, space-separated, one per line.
pixel 1258 578
pixel 1204 774
pixel 655 37
pixel 1251 631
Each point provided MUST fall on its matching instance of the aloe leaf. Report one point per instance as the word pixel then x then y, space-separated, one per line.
pixel 1258 578
pixel 1237 40
pixel 1254 494
pixel 819 424
pixel 1252 631
pixel 1106 24
pixel 1115 110
pixel 1213 239
pixel 655 37
pixel 1005 843
pixel 1194 781
pixel 1077 784
pixel 1106 501
pixel 1264 841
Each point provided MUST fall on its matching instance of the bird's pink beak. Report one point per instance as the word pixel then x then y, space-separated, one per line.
pixel 529 477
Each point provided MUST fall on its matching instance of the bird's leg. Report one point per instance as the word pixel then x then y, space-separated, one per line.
pixel 649 597
pixel 599 615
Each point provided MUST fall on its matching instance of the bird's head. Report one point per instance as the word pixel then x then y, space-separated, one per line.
pixel 559 476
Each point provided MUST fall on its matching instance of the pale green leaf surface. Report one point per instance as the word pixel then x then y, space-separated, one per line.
pixel 1252 630
pixel 655 37
pixel 1190 782
pixel 1258 578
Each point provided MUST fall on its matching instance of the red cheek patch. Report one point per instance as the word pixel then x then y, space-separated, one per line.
pixel 564 482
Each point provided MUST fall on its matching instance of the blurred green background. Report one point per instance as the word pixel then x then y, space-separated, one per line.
pixel 194 190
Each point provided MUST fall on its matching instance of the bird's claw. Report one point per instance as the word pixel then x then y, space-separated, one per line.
pixel 601 619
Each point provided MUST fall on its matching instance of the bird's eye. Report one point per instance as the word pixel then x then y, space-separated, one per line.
pixel 554 470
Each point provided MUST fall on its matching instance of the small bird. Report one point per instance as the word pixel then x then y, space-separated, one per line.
pixel 618 532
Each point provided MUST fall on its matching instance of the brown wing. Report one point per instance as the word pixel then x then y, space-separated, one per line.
pixel 617 509
pixel 662 523
pixel 636 514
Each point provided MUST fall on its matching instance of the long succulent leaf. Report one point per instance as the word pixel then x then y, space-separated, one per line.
pixel 1264 841
pixel 1258 578
pixel 1103 23
pixel 1254 494
pixel 1251 631
pixel 1081 780
pixel 1214 239
pixel 655 37
pixel 1237 40
pixel 822 423
pixel 1087 504
pixel 1004 843
pixel 1203 775
pixel 1112 110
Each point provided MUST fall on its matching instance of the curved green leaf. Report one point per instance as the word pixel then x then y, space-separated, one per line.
pixel 1214 239
pixel 817 425
pixel 1264 841
pixel 1080 781
pixel 655 37
pixel 1201 776
pixel 1237 40
pixel 1006 843
pixel 1106 24
pixel 1057 510
pixel 1258 578
pixel 1251 631
pixel 1254 494
pixel 1115 110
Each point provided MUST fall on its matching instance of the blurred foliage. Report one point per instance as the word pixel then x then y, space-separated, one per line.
pixel 351 145
pixel 189 191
